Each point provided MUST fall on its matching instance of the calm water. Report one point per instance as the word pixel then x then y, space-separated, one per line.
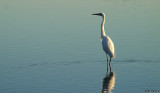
pixel 52 46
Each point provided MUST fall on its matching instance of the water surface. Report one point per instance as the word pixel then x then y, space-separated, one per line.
pixel 54 46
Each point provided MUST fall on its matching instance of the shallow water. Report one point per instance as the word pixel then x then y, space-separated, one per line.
pixel 54 46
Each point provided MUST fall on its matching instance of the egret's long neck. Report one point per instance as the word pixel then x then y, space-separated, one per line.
pixel 102 28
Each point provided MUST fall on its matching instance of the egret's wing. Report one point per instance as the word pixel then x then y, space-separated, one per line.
pixel 108 46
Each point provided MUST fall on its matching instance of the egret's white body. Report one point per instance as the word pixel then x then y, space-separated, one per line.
pixel 108 46
pixel 107 43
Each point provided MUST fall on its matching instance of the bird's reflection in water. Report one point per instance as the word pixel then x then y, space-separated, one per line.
pixel 108 82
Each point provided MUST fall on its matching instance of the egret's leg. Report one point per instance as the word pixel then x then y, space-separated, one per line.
pixel 110 64
pixel 107 58
pixel 107 63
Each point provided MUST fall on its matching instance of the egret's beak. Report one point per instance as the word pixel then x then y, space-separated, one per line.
pixel 96 14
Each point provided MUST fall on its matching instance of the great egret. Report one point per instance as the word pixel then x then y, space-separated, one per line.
pixel 107 43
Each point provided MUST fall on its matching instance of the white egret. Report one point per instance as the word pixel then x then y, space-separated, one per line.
pixel 107 43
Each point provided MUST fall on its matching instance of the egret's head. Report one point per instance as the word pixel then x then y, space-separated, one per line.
pixel 99 14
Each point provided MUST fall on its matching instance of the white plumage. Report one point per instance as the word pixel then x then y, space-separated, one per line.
pixel 107 43
pixel 108 46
